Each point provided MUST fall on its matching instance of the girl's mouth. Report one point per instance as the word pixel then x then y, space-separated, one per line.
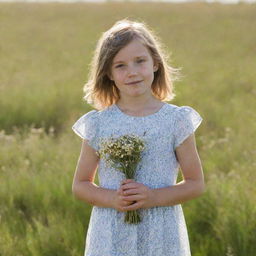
pixel 136 82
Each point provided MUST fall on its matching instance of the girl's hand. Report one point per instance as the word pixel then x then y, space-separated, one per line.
pixel 138 192
pixel 118 201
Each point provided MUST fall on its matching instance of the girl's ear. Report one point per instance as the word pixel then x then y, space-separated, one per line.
pixel 110 76
pixel 156 66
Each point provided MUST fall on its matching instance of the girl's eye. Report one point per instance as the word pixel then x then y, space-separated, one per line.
pixel 119 66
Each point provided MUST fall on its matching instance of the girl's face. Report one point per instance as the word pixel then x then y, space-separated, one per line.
pixel 133 63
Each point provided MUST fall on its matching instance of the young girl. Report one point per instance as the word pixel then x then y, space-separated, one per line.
pixel 129 84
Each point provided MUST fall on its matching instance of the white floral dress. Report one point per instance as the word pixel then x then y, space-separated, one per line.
pixel 162 231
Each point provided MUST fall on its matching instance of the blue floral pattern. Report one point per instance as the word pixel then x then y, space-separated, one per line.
pixel 163 230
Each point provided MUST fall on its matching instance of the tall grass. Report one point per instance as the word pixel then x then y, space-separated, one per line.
pixel 45 52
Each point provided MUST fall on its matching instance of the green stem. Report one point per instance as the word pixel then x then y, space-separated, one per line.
pixel 132 217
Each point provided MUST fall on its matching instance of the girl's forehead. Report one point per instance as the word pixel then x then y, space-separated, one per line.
pixel 134 49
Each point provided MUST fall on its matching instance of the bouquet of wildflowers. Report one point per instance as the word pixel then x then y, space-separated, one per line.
pixel 124 154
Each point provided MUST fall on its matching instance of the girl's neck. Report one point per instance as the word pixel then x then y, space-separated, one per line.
pixel 138 106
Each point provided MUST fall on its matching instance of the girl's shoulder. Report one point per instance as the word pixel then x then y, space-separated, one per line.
pixel 186 121
pixel 86 127
pixel 94 115
pixel 182 111
pixel 88 117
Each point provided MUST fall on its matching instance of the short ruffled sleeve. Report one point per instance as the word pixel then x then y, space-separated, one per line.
pixel 86 127
pixel 186 122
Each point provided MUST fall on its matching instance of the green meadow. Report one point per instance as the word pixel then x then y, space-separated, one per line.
pixel 45 51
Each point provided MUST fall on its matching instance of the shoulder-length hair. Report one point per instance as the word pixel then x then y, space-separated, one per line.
pixel 100 91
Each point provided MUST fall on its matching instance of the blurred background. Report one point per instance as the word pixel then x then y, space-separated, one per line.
pixel 45 50
pixel 101 1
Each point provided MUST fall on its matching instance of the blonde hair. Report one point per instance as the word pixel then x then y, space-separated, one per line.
pixel 100 91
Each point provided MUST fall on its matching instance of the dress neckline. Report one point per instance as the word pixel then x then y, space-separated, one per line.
pixel 138 117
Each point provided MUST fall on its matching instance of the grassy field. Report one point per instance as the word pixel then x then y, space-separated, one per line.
pixel 45 51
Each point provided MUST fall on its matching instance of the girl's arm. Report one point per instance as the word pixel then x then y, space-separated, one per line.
pixel 192 185
pixel 83 186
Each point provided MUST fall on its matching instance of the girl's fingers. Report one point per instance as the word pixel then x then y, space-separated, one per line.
pixel 126 181
pixel 129 192
pixel 119 191
pixel 131 207
pixel 130 185
pixel 124 187
pixel 131 198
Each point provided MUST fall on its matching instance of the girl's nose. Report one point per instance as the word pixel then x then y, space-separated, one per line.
pixel 132 70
